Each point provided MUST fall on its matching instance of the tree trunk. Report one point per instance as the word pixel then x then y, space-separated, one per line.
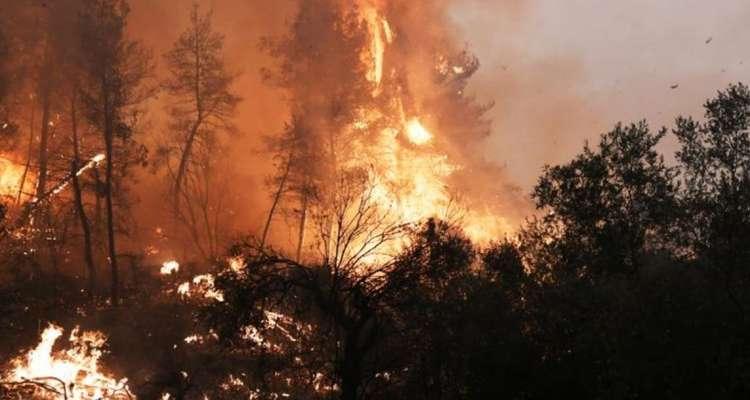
pixel 41 186
pixel 108 140
pixel 28 156
pixel 78 197
pixel 111 227
pixel 351 368
pixel 42 207
pixel 194 131
pixel 276 199
pixel 182 168
pixel 302 223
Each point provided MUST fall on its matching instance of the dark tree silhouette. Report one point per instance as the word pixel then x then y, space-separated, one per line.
pixel 715 161
pixel 611 204
pixel 114 72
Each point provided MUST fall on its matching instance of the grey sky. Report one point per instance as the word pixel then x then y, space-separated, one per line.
pixel 562 71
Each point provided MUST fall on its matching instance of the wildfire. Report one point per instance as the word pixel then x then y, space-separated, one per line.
pixel 71 374
pixel 93 162
pixel 202 286
pixel 11 176
pixel 169 267
pixel 411 181
pixel 382 35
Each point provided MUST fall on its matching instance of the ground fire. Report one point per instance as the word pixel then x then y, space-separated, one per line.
pixel 73 374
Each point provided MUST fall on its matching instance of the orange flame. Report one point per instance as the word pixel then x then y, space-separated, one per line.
pixel 10 178
pixel 73 373
pixel 413 180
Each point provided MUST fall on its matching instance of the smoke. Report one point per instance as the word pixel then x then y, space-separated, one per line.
pixel 261 112
pixel 424 31
pixel 484 143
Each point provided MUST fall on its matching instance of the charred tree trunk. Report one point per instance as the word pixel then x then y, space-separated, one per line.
pixel 78 198
pixel 43 211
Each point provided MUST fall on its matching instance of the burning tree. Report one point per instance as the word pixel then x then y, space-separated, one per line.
pixel 361 101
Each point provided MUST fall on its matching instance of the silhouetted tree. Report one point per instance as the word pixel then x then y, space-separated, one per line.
pixel 202 105
pixel 715 161
pixel 610 205
pixel 319 67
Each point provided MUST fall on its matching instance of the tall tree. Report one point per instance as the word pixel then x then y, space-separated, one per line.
pixel 115 70
pixel 202 106
pixel 75 165
pixel 320 68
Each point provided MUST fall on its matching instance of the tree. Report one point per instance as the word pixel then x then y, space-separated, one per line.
pixel 339 292
pixel 202 105
pixel 321 71
pixel 114 72
pixel 611 205
pixel 715 165
pixel 88 253
pixel 8 128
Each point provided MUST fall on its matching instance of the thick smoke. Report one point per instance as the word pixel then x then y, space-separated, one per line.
pixel 427 38
pixel 424 31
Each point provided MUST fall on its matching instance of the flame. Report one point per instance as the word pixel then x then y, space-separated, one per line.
pixel 417 133
pixel 381 34
pixel 169 267
pixel 202 286
pixel 411 182
pixel 11 174
pixel 74 373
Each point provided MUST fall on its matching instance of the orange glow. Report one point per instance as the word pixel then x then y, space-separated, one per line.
pixel 10 178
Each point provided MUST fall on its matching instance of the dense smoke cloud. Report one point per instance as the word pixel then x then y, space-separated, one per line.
pixel 426 38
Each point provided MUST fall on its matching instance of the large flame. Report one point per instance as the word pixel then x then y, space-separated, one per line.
pixel 72 374
pixel 381 34
pixel 412 170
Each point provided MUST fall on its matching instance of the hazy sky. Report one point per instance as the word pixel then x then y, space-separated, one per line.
pixel 563 71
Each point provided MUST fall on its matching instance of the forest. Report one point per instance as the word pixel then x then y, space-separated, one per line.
pixel 379 256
